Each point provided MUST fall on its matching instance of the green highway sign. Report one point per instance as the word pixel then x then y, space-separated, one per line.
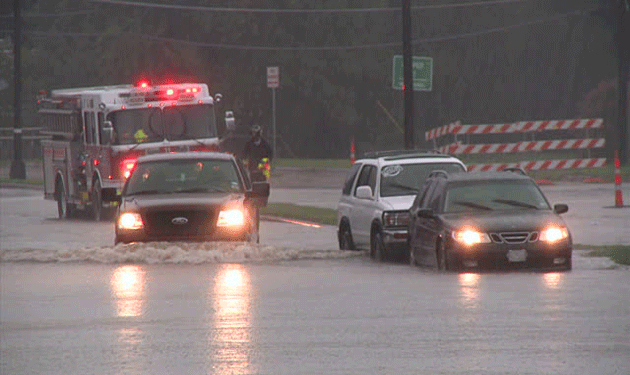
pixel 422 68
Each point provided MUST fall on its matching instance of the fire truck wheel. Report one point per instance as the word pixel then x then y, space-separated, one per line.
pixel 97 202
pixel 63 208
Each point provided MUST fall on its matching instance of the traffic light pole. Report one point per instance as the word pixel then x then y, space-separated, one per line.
pixel 18 169
pixel 408 75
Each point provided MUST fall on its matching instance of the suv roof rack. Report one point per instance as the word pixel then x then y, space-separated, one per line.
pixel 515 169
pixel 389 153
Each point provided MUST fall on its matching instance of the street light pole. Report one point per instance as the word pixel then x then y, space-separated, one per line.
pixel 407 75
pixel 18 169
pixel 623 52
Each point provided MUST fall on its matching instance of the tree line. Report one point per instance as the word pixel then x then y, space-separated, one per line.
pixel 500 62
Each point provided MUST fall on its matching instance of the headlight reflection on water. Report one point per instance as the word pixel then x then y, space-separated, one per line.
pixel 469 289
pixel 128 286
pixel 231 330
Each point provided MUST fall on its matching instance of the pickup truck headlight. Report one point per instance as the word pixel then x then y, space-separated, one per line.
pixel 130 221
pixel 395 218
pixel 231 218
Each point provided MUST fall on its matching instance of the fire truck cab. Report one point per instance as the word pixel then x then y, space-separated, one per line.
pixel 97 133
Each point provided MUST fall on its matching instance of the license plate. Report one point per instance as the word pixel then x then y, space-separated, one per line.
pixel 517 255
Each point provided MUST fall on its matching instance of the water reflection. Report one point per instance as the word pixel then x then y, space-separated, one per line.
pixel 553 280
pixel 231 331
pixel 128 286
pixel 469 289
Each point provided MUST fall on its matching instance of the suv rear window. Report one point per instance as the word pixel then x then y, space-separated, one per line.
pixel 407 179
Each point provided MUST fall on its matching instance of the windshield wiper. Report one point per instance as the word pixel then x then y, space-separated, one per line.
pixel 404 187
pixel 515 203
pixel 144 192
pixel 202 190
pixel 473 205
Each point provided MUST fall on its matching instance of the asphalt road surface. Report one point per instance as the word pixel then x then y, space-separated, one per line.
pixel 72 303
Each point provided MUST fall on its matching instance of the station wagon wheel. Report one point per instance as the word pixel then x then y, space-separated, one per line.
pixel 442 261
pixel 345 238
pixel 378 247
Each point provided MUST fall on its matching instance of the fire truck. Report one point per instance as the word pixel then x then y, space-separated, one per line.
pixel 97 133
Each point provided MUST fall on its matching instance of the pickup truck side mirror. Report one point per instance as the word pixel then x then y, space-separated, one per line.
pixel 259 190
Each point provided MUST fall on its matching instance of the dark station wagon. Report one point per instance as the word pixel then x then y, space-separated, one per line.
pixel 476 220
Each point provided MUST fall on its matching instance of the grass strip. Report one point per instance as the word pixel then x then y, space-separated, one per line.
pixel 619 254
pixel 317 215
pixel 27 181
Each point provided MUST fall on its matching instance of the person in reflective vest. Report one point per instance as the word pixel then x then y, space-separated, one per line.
pixel 257 155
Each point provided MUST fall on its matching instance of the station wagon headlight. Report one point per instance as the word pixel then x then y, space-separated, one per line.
pixel 231 218
pixel 470 236
pixel 396 218
pixel 130 220
pixel 554 233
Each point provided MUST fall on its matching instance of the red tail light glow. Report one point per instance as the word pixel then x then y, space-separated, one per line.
pixel 143 84
pixel 127 167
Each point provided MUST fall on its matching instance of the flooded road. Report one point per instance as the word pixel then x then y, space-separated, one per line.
pixel 333 316
pixel 72 303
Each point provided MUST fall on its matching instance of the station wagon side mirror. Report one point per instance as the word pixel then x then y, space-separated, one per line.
pixel 425 213
pixel 107 133
pixel 560 208
pixel 364 192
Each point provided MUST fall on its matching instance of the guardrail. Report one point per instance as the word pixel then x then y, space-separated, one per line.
pixel 532 129
pixel 31 143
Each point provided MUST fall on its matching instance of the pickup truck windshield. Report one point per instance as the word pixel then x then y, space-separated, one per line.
pixel 184 176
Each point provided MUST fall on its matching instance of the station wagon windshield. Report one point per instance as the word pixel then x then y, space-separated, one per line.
pixel 494 195
pixel 407 179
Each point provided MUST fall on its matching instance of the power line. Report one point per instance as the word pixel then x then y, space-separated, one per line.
pixel 301 11
pixel 322 48
pixel 63 14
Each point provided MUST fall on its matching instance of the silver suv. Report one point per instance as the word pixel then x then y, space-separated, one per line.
pixel 373 211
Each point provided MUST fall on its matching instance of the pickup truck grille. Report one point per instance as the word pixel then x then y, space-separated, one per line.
pixel 180 222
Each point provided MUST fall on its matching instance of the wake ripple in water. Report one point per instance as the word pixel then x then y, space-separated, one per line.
pixel 175 253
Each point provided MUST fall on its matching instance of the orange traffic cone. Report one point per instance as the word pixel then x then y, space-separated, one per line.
pixel 352 151
pixel 618 194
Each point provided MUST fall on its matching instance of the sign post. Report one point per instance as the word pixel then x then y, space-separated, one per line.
pixel 273 82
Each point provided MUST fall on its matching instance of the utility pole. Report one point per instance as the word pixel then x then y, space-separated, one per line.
pixel 623 52
pixel 18 169
pixel 407 74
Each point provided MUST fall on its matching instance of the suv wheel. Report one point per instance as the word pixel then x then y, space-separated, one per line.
pixel 412 257
pixel 345 238
pixel 378 247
